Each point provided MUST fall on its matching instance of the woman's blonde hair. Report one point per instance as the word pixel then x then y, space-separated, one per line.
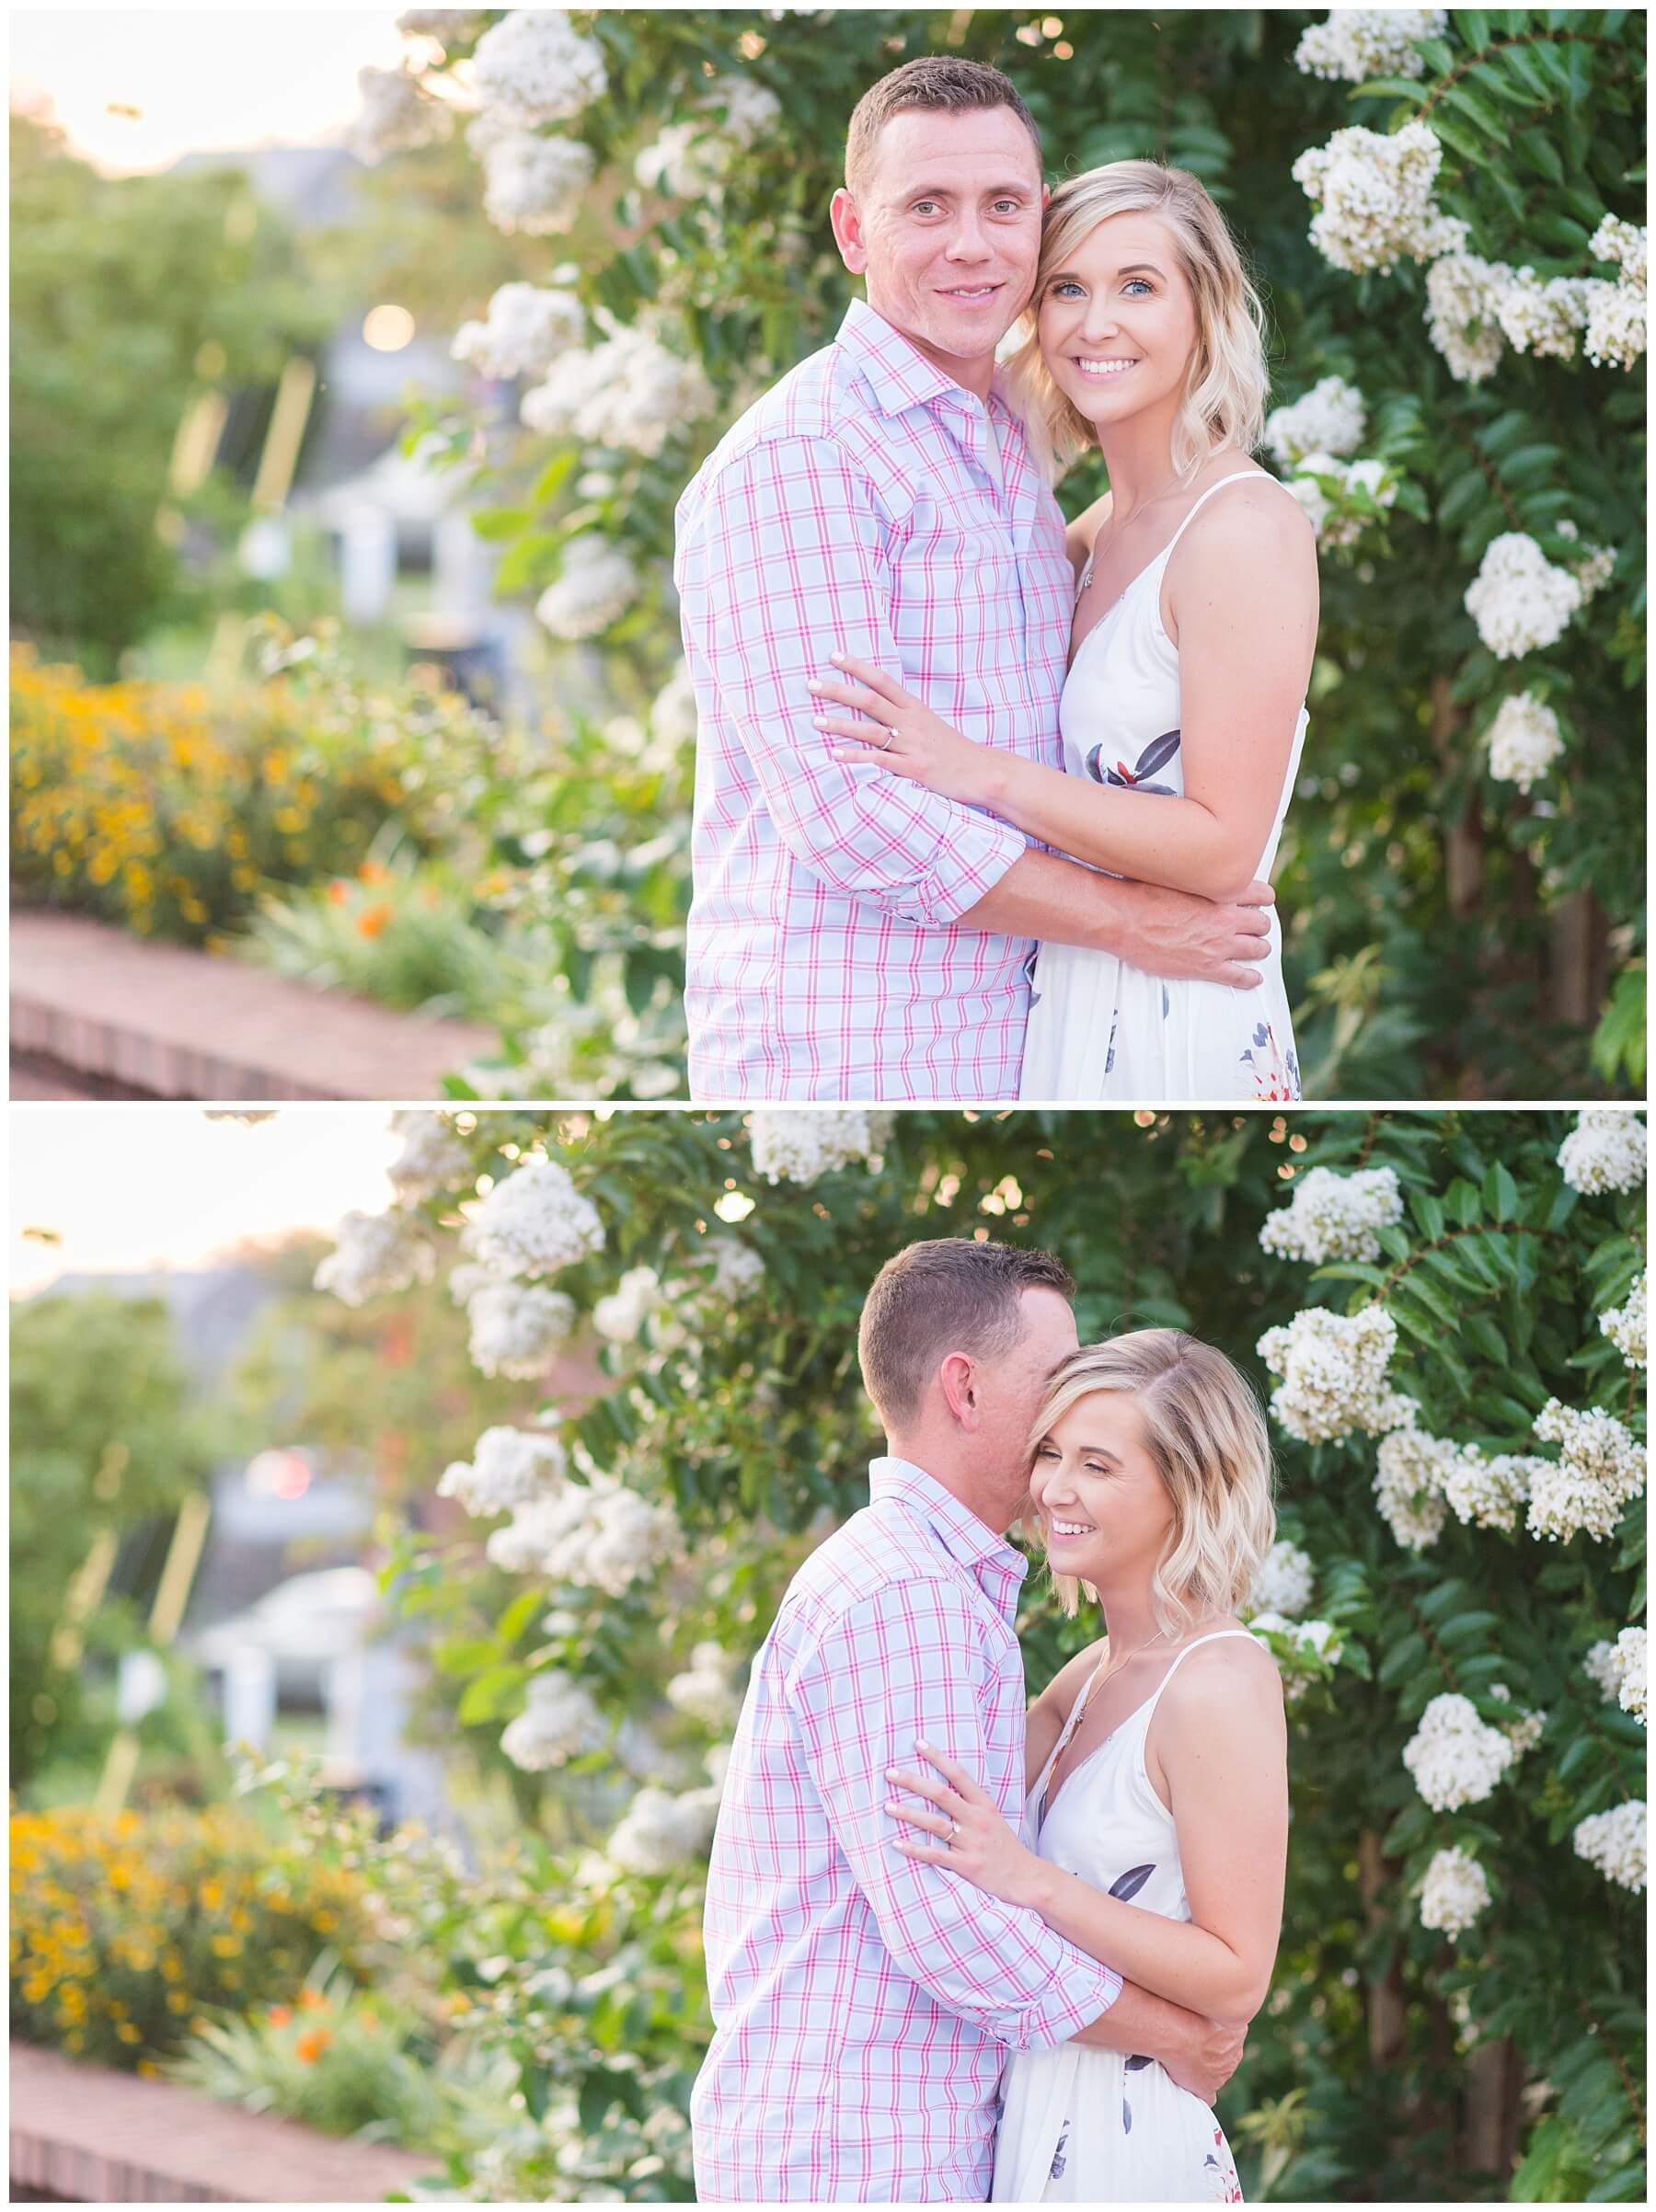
pixel 1228 382
pixel 1207 1438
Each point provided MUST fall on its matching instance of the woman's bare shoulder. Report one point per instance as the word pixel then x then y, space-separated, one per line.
pixel 1082 534
pixel 1067 1685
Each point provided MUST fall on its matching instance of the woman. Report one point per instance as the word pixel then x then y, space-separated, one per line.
pixel 1156 1833
pixel 1195 625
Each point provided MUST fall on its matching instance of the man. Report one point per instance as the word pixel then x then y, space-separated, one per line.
pixel 863 2001
pixel 852 935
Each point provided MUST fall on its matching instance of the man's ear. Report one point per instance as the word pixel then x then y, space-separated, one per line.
pixel 958 1377
pixel 846 219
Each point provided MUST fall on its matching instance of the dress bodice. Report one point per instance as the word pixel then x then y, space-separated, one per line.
pixel 1120 711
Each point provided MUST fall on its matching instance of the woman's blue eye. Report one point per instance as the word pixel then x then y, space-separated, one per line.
pixel 1141 282
pixel 1064 284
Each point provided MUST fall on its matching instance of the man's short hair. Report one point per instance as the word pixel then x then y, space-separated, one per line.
pixel 949 1294
pixel 940 82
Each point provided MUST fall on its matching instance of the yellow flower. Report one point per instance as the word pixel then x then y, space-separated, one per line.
pixel 225 1946
pixel 128 2032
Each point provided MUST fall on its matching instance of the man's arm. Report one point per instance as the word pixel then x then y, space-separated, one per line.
pixel 1169 933
pixel 783 563
pixel 896 1668
pixel 1200 2054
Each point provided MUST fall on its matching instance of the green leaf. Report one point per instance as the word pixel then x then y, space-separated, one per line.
pixel 1501 1193
pixel 1478 110
pixel 495 522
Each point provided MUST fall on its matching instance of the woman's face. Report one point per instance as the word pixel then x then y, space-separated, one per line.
pixel 1105 1512
pixel 1118 321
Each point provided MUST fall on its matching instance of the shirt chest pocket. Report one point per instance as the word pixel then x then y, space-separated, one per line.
pixel 962 600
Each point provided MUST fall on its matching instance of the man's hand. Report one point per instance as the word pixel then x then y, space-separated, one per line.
pixel 1200 2055
pixel 1214 2054
pixel 1175 934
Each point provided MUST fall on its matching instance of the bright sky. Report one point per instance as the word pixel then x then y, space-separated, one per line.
pixel 136 1186
pixel 200 78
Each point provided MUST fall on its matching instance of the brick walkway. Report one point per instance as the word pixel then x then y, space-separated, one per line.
pixel 138 1020
pixel 90 2135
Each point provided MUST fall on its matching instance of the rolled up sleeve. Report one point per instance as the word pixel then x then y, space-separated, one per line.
pixel 785 564
pixel 892 1669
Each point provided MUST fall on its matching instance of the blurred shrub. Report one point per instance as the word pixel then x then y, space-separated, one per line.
pixel 167 807
pixel 124 1927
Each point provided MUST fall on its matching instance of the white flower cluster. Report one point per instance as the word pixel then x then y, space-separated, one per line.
pixel 1335 526
pixel 1455 1892
pixel 802 1145
pixel 710 1688
pixel 629 393
pixel 1409 1471
pixel 661 1832
pixel 597 586
pixel 674 717
pixel 1487 1493
pixel 738 1270
pixel 1475 309
pixel 1525 1730
pixel 534 1221
pixel 623 1313
pixel 508 1468
pixel 598 1535
pixel 1329 418
pixel 693 157
pixel 1524 741
pixel 1455 1759
pixel 516 1327
pixel 375 1253
pixel 1462 293
pixel 1605 1150
pixel 1625 1325
pixel 1594 567
pixel 1333 1373
pixel 532 184
pixel 1283 1582
pixel 1601 1664
pixel 1307 1641
pixel 1334 1217
pixel 395 115
pixel 533 66
pixel 1633 1671
pixel 1358 43
pixel 1617 1842
pixel 1601 1470
pixel 558 1723
pixel 1617 314
pixel 434 1156
pixel 1518 599
pixel 526 327
pixel 1375 194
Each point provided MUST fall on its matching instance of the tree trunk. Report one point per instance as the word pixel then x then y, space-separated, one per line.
pixel 1494 2078
pixel 1385 1994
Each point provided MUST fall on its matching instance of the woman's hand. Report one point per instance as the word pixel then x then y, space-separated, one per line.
pixel 975 1838
pixel 901 735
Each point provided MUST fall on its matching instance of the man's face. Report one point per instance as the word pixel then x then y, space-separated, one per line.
pixel 946 229
pixel 1014 1385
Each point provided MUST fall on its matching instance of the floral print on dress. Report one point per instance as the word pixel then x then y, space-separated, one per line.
pixel 1059 2161
pixel 1157 754
pixel 1220 2173
pixel 1275 1072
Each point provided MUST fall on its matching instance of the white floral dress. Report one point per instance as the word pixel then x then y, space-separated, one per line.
pixel 1100 1028
pixel 1080 2126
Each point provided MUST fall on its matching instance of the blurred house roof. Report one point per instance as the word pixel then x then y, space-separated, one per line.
pixel 315 187
pixel 212 1308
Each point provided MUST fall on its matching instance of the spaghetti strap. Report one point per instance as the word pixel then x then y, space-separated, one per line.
pixel 1239 476
pixel 1218 1635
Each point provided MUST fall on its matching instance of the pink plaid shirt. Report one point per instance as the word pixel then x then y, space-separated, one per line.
pixel 856 507
pixel 863 2002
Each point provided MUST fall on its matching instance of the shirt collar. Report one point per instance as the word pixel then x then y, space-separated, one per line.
pixel 897 374
pixel 963 1535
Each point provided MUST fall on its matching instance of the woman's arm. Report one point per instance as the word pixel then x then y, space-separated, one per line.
pixel 1081 535
pixel 1226 1759
pixel 1048 1713
pixel 1245 608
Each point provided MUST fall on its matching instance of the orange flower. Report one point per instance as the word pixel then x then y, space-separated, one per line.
pixel 371 921
pixel 312 1999
pixel 372 871
pixel 312 2044
pixel 338 890
pixel 279 2016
